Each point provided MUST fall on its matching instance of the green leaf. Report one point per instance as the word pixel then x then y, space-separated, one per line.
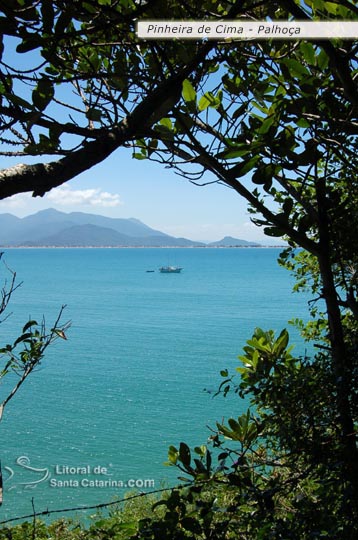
pixel 303 123
pixel 331 7
pixel 209 100
pixel 184 454
pixel 296 68
pixel 43 94
pixel 94 114
pixel 274 231
pixel 245 166
pixel 287 206
pixel 200 467
pixel 266 125
pixel 184 122
pixel 6 349
pixel 89 7
pixel 173 455
pixel 29 324
pixel 63 21
pixel 260 108
pixel 281 343
pixel 188 92
pixel 166 122
pixel 60 333
pixel 234 153
pixel 29 44
pixel 234 426
pixel 322 60
pixel 208 461
pixel 24 337
pixel 138 155
pixel 239 111
pixel 264 174
pixel 48 14
pixel 95 61
pixel 308 51
pixel 228 434
pixel 234 86
pixel 165 132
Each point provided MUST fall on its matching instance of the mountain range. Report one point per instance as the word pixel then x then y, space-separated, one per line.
pixel 77 229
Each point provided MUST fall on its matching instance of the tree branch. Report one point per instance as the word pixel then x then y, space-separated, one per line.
pixel 42 177
pixel 339 63
pixel 227 177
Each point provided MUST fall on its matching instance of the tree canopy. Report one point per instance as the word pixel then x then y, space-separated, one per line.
pixel 76 83
pixel 274 120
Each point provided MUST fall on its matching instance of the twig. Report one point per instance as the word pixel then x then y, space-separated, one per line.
pixel 96 506
pixel 34 520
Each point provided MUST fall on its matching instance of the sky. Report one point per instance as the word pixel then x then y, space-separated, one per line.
pixel 123 187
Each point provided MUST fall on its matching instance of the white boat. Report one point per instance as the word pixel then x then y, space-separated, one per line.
pixel 170 269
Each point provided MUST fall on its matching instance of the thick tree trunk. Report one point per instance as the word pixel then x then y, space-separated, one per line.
pixel 342 364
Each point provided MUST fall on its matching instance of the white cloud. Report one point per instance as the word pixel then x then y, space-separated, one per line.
pixel 24 204
pixel 65 196
pixel 16 202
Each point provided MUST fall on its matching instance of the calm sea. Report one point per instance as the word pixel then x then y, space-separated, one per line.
pixel 106 404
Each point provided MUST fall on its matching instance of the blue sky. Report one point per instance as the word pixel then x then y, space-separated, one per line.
pixel 124 187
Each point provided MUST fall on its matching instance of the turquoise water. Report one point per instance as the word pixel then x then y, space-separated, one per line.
pixel 130 380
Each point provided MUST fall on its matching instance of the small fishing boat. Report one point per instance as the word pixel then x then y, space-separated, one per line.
pixel 170 269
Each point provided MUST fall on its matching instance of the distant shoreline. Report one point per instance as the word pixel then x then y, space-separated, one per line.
pixel 51 229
